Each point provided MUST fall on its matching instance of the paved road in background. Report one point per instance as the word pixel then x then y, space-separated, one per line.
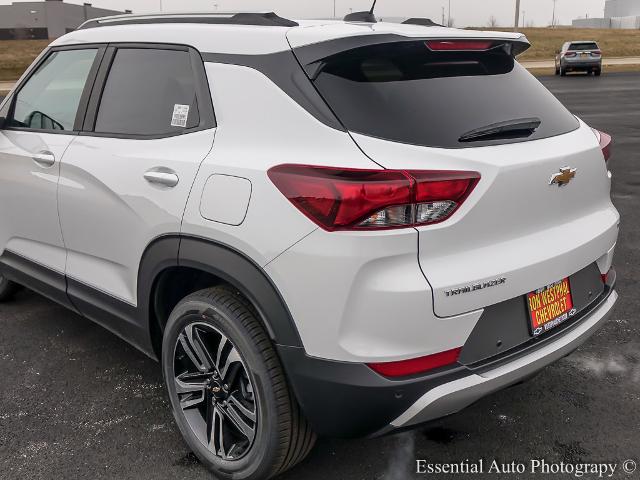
pixel 77 402
pixel 605 61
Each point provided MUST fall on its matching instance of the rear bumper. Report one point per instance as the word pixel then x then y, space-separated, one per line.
pixel 346 400
pixel 453 396
pixel 580 64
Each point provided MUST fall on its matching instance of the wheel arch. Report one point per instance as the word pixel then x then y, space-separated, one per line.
pixel 168 257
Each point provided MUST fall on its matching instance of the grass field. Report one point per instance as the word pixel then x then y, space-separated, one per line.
pixel 17 55
pixel 545 41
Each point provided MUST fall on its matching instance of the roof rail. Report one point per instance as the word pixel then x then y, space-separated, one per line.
pixel 365 17
pixel 425 22
pixel 268 19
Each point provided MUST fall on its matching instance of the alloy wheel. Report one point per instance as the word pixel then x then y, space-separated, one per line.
pixel 215 391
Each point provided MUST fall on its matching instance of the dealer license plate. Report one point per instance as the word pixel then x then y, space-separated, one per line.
pixel 550 306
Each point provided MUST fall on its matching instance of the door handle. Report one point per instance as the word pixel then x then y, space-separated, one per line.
pixel 44 159
pixel 166 178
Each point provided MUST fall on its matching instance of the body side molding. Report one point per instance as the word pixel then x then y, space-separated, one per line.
pixel 43 280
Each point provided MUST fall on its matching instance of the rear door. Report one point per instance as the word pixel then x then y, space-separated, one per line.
pixel 126 178
pixel 469 106
pixel 43 118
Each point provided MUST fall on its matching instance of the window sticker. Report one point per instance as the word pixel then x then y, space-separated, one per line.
pixel 180 116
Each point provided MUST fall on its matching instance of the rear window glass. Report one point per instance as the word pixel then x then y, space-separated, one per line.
pixel 406 93
pixel 584 46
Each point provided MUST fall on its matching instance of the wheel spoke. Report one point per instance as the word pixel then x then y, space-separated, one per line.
pixel 232 357
pixel 220 352
pixel 231 412
pixel 210 419
pixel 195 349
pixel 251 415
pixel 191 388
pixel 218 432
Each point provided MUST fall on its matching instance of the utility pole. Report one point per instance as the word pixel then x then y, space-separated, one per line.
pixel 449 22
pixel 334 9
pixel 524 24
pixel 553 19
pixel 517 22
pixel 443 16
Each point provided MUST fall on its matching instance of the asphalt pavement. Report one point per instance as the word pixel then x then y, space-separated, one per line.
pixel 606 61
pixel 77 402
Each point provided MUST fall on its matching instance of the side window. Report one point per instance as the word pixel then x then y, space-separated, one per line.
pixel 50 98
pixel 148 92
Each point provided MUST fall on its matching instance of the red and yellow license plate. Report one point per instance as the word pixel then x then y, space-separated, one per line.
pixel 550 306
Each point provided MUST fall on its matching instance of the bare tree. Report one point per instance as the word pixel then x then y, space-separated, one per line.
pixel 493 21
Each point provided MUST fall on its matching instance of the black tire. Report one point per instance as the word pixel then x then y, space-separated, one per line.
pixel 7 289
pixel 563 72
pixel 598 72
pixel 281 436
pixel 557 70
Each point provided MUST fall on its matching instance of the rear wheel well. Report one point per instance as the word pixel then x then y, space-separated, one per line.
pixel 170 287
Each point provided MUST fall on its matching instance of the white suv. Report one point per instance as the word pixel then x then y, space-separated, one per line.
pixel 318 228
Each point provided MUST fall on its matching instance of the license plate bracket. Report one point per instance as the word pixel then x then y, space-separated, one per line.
pixel 549 307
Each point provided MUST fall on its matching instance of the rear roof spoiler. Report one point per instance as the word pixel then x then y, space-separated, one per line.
pixel 311 56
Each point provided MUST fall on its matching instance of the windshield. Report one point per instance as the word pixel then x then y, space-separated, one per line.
pixel 407 93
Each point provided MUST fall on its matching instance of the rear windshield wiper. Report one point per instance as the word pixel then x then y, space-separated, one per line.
pixel 522 127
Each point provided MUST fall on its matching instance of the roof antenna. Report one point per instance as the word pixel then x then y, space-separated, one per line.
pixel 363 17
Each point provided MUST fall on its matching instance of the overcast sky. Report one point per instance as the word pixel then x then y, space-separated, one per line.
pixel 465 12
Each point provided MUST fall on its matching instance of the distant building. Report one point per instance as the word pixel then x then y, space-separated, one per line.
pixel 617 14
pixel 47 19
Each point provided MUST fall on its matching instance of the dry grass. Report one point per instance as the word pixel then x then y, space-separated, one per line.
pixel 17 55
pixel 614 43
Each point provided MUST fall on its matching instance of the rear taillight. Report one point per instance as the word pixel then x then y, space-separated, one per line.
pixel 570 54
pixel 459 45
pixel 353 199
pixel 606 143
pixel 417 365
pixel 595 53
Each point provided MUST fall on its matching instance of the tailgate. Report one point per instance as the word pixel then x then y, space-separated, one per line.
pixel 515 233
pixel 467 105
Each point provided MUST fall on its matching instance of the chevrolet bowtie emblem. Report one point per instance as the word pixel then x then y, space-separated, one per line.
pixel 564 177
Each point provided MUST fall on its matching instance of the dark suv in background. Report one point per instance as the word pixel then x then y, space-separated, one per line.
pixel 583 56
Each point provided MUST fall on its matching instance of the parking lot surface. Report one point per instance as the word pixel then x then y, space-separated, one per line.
pixel 77 402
